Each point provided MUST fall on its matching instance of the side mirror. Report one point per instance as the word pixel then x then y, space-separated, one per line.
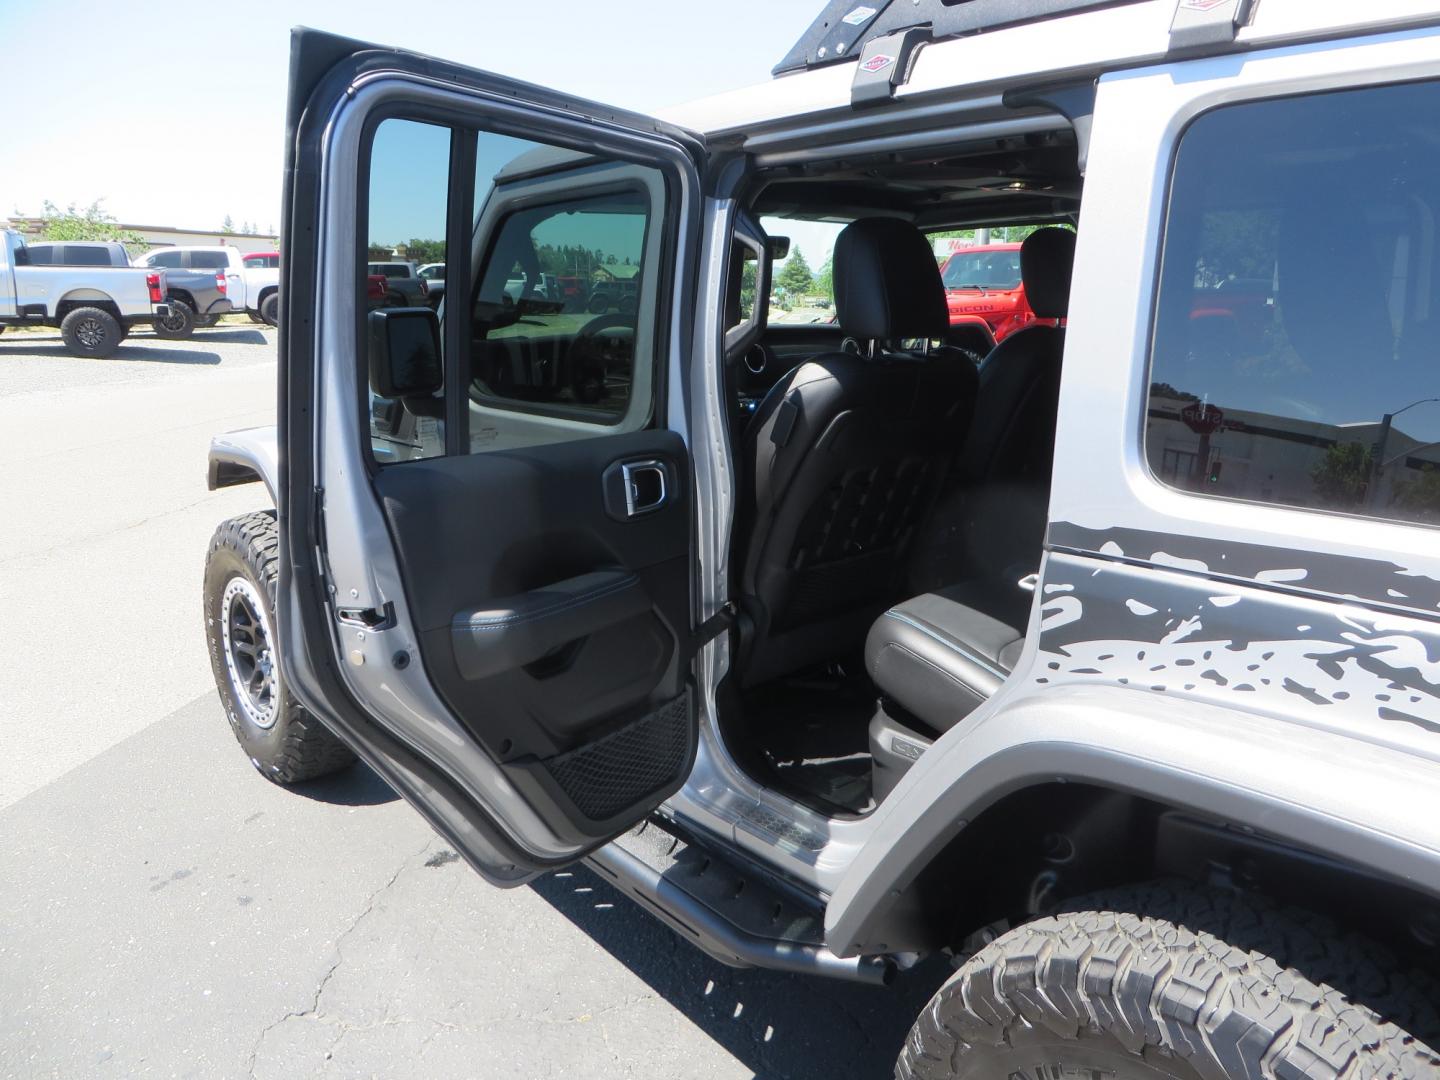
pixel 779 248
pixel 405 353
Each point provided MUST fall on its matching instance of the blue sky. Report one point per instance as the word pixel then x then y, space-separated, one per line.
pixel 179 120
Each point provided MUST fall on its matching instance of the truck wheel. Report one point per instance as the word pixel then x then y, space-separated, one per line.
pixel 270 309
pixel 179 324
pixel 91 331
pixel 254 317
pixel 1168 981
pixel 280 738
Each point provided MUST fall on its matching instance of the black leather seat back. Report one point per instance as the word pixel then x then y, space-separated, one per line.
pixel 991 526
pixel 846 456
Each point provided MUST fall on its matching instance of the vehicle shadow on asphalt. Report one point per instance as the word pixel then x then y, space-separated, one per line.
pixel 131 350
pixel 359 785
pixel 776 1024
pixel 231 337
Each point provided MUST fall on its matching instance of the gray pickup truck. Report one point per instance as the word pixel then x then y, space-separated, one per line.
pixel 195 297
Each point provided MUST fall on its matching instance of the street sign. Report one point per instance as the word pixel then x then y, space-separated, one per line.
pixel 1202 419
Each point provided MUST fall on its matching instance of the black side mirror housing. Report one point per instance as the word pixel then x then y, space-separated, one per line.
pixel 405 352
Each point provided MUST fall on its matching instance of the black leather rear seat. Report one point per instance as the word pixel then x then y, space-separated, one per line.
pixel 937 658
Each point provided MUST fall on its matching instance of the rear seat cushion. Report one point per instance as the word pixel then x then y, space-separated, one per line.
pixel 938 658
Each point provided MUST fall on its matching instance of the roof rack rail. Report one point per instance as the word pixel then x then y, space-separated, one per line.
pixel 844 27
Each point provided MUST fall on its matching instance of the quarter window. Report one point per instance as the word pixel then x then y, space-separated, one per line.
pixel 1296 355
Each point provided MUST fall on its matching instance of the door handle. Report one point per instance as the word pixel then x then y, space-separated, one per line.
pixel 645 486
pixel 634 488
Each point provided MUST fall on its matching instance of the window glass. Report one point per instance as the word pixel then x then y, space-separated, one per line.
pixel 41 254
pixel 209 260
pixel 802 288
pixel 1296 355
pixel 76 255
pixel 741 293
pixel 165 258
pixel 561 312
pixel 409 189
pixel 559 302
pixel 982 269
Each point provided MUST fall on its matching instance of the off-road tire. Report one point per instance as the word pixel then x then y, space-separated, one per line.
pixel 180 325
pixel 254 317
pixel 270 310
pixel 1165 980
pixel 91 331
pixel 295 746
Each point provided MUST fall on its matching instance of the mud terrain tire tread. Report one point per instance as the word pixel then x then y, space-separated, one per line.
pixel 1221 984
pixel 298 747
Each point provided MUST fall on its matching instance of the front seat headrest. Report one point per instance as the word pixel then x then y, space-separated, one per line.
pixel 887 282
pixel 1046 259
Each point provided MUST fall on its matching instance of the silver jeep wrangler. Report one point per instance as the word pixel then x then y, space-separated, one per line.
pixel 1109 665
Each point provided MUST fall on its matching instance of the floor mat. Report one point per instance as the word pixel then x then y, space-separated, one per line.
pixel 813 735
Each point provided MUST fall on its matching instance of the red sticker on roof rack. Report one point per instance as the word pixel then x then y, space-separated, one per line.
pixel 878 62
pixel 1201 5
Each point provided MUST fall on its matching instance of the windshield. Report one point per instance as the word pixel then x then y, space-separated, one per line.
pixel 983 270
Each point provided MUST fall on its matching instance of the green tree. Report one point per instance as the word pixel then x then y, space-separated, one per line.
pixel 824 284
pixel 425 251
pixel 795 276
pixel 90 223
pixel 1343 474
pixel 1419 497
pixel 747 287
pixel 228 225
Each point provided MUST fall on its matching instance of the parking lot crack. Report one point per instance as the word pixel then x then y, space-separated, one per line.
pixel 313 1012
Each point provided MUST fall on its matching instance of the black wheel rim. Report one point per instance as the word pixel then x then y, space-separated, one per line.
pixel 175 323
pixel 249 660
pixel 91 333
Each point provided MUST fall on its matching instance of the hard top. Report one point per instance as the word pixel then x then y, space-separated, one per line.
pixel 979 48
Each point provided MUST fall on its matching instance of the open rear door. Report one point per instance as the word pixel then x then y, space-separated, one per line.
pixel 485 504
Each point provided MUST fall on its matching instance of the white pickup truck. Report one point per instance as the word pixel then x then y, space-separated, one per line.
pixel 253 288
pixel 94 306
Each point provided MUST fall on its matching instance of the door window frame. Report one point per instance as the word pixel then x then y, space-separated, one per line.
pixel 557 131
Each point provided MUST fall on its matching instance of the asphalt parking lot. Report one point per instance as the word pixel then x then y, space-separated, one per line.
pixel 165 912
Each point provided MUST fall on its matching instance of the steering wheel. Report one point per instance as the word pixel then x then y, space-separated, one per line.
pixel 587 360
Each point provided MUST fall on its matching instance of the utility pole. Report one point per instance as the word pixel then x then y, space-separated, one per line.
pixel 1377 452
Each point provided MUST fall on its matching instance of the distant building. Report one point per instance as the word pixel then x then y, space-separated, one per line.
pixel 618 272
pixel 169 236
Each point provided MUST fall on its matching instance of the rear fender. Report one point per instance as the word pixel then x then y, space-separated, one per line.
pixel 1363 803
pixel 243 457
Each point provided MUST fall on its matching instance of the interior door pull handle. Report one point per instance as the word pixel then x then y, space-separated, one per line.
pixel 645 486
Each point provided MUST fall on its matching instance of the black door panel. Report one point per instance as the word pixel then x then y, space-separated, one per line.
pixel 551 626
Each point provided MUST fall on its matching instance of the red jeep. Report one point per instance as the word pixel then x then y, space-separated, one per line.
pixel 984 282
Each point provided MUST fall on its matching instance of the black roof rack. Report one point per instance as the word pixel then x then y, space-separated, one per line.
pixel 841 30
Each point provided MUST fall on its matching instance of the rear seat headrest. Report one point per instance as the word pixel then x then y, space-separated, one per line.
pixel 1046 260
pixel 887 282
